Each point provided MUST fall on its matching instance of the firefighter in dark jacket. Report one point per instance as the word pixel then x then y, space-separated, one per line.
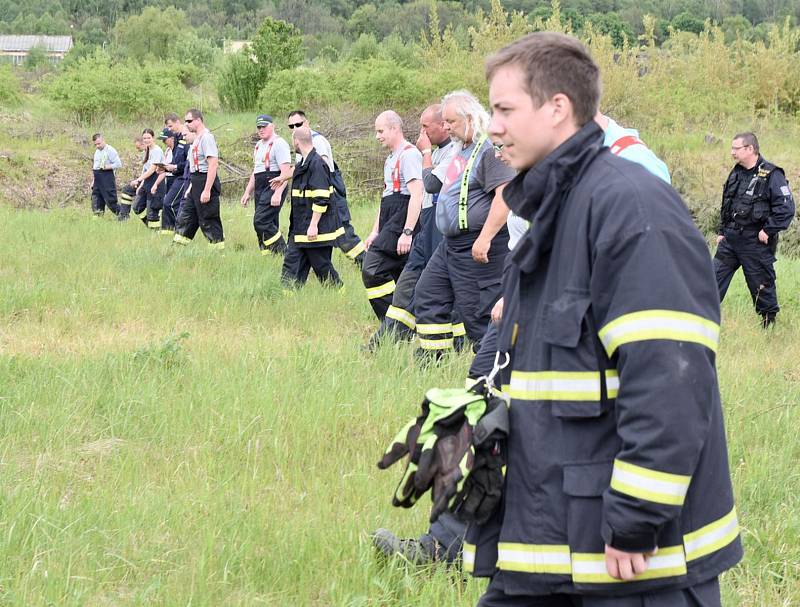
pixel 314 224
pixel 756 205
pixel 617 489
pixel 178 182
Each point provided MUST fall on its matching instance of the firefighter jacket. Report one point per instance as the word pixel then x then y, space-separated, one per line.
pixel 616 430
pixel 312 191
pixel 756 199
pixel 180 155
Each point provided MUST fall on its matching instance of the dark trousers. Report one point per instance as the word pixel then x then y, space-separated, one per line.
pixel 705 594
pixel 483 362
pixel 351 245
pixel 757 262
pixel 193 214
pixel 448 534
pixel 172 202
pixel 453 280
pixel 148 205
pixel 298 261
pixel 104 193
pixel 382 265
pixel 266 218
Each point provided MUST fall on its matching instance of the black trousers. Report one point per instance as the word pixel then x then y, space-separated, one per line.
pixel 148 205
pixel 757 262
pixel 104 192
pixel 705 594
pixel 193 214
pixel 382 265
pixel 453 280
pixel 298 261
pixel 266 217
pixel 176 188
pixel 351 245
pixel 483 362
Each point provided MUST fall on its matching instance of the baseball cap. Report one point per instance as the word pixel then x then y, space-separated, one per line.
pixel 166 134
pixel 263 120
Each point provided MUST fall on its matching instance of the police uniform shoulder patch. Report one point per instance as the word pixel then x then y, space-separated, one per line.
pixel 785 190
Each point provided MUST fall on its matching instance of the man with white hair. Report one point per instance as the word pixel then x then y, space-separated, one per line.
pixel 397 222
pixel 466 269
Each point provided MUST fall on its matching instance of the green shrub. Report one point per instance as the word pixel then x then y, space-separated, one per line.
pixel 10 91
pixel 238 82
pixel 97 86
pixel 300 87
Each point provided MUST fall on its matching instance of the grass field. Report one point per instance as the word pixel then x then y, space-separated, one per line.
pixel 176 430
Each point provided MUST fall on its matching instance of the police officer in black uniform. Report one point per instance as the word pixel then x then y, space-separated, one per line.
pixel 756 205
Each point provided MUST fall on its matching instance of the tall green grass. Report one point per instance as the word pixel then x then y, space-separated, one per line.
pixel 176 430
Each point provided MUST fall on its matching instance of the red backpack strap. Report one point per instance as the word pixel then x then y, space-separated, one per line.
pixel 396 171
pixel 623 143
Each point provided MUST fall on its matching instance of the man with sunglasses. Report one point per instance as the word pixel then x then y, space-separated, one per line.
pixel 349 242
pixel 201 208
pixel 756 205
pixel 272 160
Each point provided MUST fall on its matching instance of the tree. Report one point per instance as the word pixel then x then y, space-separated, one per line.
pixel 152 33
pixel 685 22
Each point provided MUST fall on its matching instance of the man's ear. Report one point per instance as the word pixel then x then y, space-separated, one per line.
pixel 562 109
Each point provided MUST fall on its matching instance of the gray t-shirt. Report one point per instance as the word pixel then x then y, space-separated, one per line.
pixel 323 148
pixel 276 152
pixel 203 148
pixel 156 155
pixel 410 168
pixel 440 158
pixel 488 172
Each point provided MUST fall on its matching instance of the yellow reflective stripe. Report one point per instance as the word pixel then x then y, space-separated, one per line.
pixel 468 557
pixel 436 344
pixel 430 329
pixel 401 315
pixel 166 232
pixel 459 330
pixel 266 252
pixel 321 237
pixel 319 193
pixel 272 239
pixel 313 193
pixel 590 568
pixel 154 225
pixel 650 485
pixel 533 558
pixel 712 537
pixel 217 245
pixel 356 250
pixel 386 288
pixel 659 324
pixel 561 385
pixel 318 209
pixel 181 239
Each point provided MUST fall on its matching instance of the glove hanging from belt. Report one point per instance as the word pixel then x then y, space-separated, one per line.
pixel 455 448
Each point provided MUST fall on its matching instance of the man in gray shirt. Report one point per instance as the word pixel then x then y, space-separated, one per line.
pixel 400 322
pixel 397 222
pixel 201 208
pixel 104 184
pixel 465 271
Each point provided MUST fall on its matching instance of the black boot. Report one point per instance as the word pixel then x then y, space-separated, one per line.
pixel 767 320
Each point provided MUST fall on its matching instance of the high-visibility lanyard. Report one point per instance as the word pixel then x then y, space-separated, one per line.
pixel 463 197
pixel 396 171
pixel 624 142
pixel 103 158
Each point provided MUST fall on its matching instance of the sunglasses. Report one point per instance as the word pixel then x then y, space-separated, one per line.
pixel 189 120
pixel 296 125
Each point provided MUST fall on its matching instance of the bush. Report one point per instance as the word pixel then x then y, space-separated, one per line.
pixel 10 91
pixel 301 87
pixel 276 46
pixel 97 86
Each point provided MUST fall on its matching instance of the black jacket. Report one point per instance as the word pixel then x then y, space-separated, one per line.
pixel 616 435
pixel 756 199
pixel 312 191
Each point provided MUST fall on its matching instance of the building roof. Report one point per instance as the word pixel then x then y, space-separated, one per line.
pixel 52 44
